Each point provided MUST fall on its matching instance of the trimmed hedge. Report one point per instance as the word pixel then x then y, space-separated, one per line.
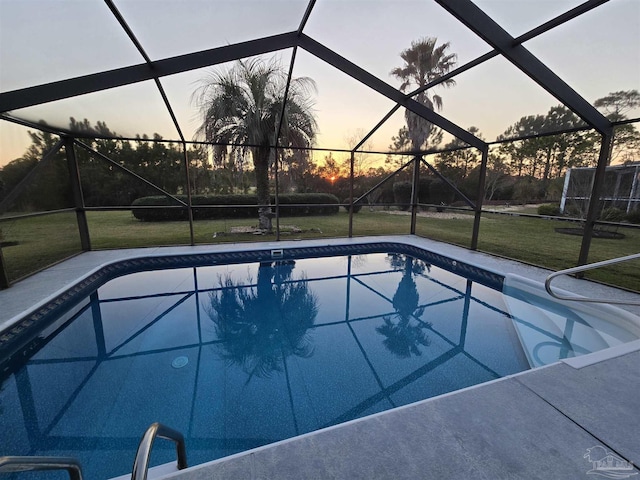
pixel 356 206
pixel 549 209
pixel 232 206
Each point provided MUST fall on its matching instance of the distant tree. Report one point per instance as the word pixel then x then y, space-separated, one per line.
pixel 548 156
pixel 527 189
pixel 103 184
pixel 161 163
pixel 157 161
pixel 332 169
pixel 399 143
pixel 626 144
pixel 242 106
pixel 12 174
pixel 522 154
pixel 230 170
pixel 460 160
pixel 295 165
pixel 554 149
pixel 49 189
pixel 497 176
pixel 423 63
pixel 626 139
pixel 616 104
pixel 361 161
pixel 402 143
pixel 201 176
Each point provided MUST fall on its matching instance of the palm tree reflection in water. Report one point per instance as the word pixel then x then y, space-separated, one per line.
pixel 404 337
pixel 260 326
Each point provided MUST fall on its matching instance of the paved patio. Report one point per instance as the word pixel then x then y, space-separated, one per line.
pixel 539 424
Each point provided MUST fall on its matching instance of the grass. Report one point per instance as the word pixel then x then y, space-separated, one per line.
pixel 40 242
pixel 535 241
pixel 46 239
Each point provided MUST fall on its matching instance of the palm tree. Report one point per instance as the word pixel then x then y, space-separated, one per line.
pixel 423 63
pixel 404 337
pixel 260 326
pixel 242 106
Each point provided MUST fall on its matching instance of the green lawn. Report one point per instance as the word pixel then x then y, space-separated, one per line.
pixel 40 242
pixel 535 241
pixel 46 239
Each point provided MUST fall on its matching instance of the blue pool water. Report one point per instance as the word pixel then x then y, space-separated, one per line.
pixel 238 356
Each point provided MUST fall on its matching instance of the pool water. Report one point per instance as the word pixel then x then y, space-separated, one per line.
pixel 238 356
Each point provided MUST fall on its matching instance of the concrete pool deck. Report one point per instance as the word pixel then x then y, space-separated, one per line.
pixel 537 424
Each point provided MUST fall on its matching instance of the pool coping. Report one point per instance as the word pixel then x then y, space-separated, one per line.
pixel 39 289
pixel 135 264
pixel 17 331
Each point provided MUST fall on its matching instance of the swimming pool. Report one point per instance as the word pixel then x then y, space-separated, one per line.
pixel 255 347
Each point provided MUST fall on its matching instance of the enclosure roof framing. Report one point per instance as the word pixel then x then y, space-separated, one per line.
pixel 49 92
pixel 492 33
pixel 465 11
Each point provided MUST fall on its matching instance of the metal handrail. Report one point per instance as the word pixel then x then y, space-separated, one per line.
pixel 590 266
pixel 141 463
pixel 27 464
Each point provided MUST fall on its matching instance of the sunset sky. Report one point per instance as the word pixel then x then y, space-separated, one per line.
pixel 48 40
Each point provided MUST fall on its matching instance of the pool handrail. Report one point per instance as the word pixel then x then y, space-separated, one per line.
pixel 13 464
pixel 143 455
pixel 590 266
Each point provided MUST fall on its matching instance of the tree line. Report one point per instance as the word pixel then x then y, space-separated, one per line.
pixel 103 183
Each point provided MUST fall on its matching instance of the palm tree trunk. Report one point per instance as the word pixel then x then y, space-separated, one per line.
pixel 261 165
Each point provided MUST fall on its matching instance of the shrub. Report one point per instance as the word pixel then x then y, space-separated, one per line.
pixel 231 206
pixel 613 214
pixel 441 193
pixel 634 216
pixel 504 190
pixel 424 190
pixel 386 196
pixel 527 189
pixel 176 212
pixel 402 195
pixel 549 209
pixel 574 210
pixel 554 190
pixel 356 206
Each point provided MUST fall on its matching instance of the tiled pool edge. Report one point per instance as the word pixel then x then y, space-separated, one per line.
pixel 100 266
pixel 38 289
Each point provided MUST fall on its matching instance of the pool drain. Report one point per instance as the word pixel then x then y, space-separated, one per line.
pixel 179 362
